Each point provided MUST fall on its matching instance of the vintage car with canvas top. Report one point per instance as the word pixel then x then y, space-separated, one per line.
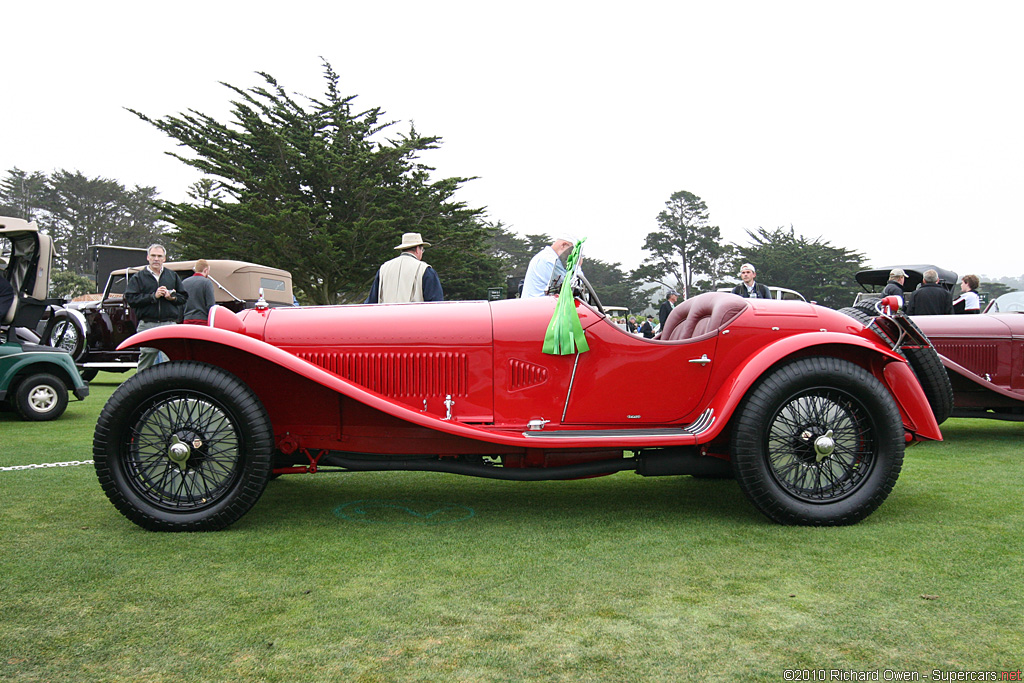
pixel 807 408
pixel 92 331
pixel 873 281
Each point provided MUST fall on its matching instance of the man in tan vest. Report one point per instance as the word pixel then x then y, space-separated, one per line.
pixel 406 277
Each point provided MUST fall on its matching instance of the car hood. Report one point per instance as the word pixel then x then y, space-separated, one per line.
pixel 992 326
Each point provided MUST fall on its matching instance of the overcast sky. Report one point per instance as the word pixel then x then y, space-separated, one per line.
pixel 890 128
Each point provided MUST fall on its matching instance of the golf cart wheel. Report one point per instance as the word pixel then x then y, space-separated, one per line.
pixel 817 442
pixel 184 446
pixel 41 397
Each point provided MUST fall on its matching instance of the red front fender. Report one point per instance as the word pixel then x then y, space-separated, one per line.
pixel 888 366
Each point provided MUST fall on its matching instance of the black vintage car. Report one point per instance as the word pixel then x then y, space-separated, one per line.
pixel 874 281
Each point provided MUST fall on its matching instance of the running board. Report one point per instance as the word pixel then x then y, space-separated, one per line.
pixel 650 463
pixel 701 424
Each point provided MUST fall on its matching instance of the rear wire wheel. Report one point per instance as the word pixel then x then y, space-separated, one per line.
pixel 184 446
pixel 818 442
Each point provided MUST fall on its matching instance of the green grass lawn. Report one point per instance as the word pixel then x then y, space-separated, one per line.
pixel 432 577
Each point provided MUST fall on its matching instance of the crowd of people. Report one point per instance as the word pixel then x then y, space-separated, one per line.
pixel 931 297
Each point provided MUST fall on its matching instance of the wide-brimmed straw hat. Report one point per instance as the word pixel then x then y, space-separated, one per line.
pixel 410 240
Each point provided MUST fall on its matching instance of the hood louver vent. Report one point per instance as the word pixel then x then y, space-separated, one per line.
pixel 980 358
pixel 399 374
pixel 522 375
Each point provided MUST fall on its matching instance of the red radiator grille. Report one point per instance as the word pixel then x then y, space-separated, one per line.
pixel 399 374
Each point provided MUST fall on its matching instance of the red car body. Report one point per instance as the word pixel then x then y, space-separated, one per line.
pixel 465 387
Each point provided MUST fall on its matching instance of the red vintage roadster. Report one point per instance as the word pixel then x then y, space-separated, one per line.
pixel 808 409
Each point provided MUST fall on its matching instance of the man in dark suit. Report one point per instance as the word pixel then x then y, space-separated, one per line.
pixel 666 307
pixel 647 329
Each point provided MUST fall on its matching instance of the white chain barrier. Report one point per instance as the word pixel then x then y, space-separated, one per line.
pixel 46 465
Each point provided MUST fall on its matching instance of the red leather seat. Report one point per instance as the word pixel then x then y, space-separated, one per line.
pixel 702 314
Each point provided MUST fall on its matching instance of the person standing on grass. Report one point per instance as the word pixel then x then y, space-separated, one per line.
pixel 931 298
pixel 666 308
pixel 547 268
pixel 969 301
pixel 895 285
pixel 407 277
pixel 157 296
pixel 201 296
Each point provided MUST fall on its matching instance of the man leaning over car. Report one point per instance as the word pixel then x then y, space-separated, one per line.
pixel 158 297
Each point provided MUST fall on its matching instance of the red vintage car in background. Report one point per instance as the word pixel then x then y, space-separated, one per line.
pixel 982 355
pixel 984 358
pixel 808 409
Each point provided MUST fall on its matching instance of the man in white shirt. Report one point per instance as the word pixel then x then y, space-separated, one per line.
pixel 547 266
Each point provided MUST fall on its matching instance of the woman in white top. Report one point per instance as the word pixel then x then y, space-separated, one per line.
pixel 969 301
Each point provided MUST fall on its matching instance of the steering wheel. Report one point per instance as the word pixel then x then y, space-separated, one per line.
pixel 584 291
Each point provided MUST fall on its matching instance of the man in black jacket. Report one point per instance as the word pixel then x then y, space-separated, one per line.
pixel 895 285
pixel 931 298
pixel 158 297
pixel 647 329
pixel 666 307
pixel 749 289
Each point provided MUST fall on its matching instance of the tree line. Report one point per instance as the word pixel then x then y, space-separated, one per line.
pixel 325 189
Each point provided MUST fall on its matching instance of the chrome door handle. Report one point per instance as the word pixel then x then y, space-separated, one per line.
pixel 703 360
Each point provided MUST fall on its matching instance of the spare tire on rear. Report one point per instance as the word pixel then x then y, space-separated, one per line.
pixel 924 361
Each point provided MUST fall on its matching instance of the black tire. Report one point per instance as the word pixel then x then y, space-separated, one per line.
pixel 932 375
pixel 925 363
pixel 41 397
pixel 204 417
pixel 788 414
pixel 934 380
pixel 858 314
pixel 66 332
pixel 88 374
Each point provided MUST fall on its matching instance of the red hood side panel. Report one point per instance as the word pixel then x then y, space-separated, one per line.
pixel 431 357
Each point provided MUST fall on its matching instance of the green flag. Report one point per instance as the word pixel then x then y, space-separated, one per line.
pixel 565 333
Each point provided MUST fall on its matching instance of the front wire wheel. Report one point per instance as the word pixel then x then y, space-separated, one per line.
pixel 820 446
pixel 183 447
pixel 818 442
